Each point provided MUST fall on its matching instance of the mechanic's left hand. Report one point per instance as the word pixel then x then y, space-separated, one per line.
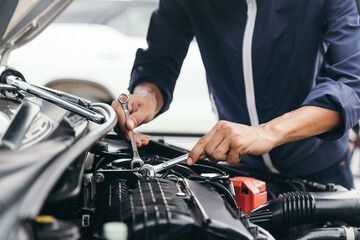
pixel 229 141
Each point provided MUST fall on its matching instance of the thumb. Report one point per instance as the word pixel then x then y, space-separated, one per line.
pixel 135 119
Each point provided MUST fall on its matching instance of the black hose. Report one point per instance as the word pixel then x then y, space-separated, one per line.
pixel 170 171
pixel 183 169
pixel 298 208
pixel 339 233
pixel 218 186
pixel 227 194
pixel 208 168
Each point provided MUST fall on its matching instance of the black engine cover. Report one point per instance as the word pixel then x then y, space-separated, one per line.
pixel 166 209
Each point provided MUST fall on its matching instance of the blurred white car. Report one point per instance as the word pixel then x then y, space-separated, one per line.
pixel 89 51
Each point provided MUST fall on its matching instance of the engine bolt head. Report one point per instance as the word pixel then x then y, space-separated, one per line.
pixel 99 177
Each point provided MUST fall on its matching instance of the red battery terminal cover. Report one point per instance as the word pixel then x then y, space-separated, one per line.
pixel 249 192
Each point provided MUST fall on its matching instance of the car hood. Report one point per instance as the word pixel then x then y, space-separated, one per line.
pixel 22 20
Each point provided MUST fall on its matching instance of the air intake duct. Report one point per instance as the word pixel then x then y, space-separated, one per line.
pixel 298 208
pixel 339 233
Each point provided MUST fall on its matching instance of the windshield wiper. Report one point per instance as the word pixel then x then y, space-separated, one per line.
pixel 14 78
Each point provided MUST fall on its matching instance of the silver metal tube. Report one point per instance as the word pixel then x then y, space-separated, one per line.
pixel 64 94
pixel 43 94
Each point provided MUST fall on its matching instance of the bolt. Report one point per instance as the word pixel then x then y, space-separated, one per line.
pixel 99 177
pixel 330 187
pixel 180 194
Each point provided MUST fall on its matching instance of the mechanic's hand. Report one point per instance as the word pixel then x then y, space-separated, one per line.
pixel 146 101
pixel 142 110
pixel 229 141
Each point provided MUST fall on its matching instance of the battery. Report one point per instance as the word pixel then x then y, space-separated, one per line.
pixel 249 192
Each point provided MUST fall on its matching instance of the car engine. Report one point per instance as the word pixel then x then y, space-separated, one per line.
pixel 65 174
pixel 198 202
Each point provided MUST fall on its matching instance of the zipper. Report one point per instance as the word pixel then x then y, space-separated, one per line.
pixel 248 73
pixel 214 108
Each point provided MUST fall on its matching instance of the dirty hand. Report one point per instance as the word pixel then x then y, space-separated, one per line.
pixel 229 141
pixel 143 105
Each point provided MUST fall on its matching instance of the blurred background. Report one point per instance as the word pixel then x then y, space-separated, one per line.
pixel 89 51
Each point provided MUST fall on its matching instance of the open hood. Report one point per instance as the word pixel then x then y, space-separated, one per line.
pixel 22 20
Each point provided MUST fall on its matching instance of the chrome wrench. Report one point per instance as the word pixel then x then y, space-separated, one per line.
pixel 123 100
pixel 150 170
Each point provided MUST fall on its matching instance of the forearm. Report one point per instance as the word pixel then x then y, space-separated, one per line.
pixel 152 91
pixel 304 122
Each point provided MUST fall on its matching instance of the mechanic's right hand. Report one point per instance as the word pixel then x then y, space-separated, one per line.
pixel 142 110
pixel 146 101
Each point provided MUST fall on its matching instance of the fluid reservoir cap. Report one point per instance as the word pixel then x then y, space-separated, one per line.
pixel 44 219
pixel 115 231
pixel 49 228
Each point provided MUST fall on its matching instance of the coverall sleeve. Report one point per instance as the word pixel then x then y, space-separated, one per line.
pixel 168 39
pixel 338 81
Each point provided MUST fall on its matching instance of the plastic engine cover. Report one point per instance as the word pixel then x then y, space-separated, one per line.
pixel 164 209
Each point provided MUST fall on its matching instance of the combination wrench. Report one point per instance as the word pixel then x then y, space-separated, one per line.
pixel 150 170
pixel 123 100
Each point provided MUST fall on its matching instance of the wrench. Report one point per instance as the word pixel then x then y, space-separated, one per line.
pixel 123 100
pixel 150 170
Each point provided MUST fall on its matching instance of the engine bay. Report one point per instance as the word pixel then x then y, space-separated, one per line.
pixel 65 174
pixel 197 202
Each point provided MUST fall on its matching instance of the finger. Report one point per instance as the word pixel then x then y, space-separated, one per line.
pixel 195 153
pixel 134 107
pixel 142 110
pixel 214 142
pixel 132 104
pixel 125 127
pixel 203 155
pixel 213 161
pixel 138 141
pixel 145 139
pixel 234 156
pixel 121 120
pixel 135 119
pixel 221 152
